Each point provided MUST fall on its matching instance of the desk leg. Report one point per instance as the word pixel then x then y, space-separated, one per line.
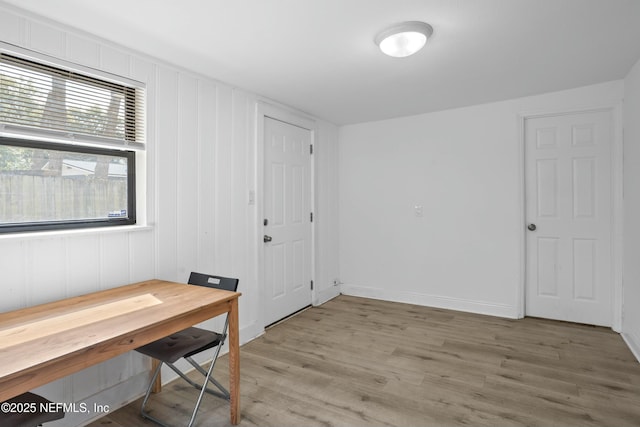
pixel 234 362
pixel 157 385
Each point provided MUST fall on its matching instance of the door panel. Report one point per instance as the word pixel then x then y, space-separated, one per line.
pixel 547 276
pixel 287 196
pixel 568 198
pixel 547 176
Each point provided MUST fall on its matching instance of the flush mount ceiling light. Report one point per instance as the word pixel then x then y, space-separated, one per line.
pixel 404 39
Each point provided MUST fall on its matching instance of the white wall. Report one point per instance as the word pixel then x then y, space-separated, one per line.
pixel 464 167
pixel 202 163
pixel 631 278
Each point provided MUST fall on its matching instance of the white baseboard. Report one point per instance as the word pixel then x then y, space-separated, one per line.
pixel 325 295
pixel 250 332
pixel 472 306
pixel 633 341
pixel 108 400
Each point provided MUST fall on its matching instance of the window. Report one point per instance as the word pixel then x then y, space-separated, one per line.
pixel 43 187
pixel 68 143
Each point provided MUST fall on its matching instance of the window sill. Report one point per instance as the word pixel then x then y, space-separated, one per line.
pixel 31 235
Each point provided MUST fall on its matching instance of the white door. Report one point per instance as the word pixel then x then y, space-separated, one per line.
pixel 568 202
pixel 287 230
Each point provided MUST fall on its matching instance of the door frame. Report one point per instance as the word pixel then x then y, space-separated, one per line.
pixel 616 205
pixel 267 110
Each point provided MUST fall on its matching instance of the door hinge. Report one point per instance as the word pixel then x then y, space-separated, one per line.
pixel 311 216
pixel 310 148
pixel 312 285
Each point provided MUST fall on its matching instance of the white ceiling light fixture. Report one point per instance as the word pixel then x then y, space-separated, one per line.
pixel 404 39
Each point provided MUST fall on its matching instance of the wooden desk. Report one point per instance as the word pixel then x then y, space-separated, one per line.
pixel 44 343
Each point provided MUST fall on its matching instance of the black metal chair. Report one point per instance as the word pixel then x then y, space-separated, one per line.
pixel 29 410
pixel 187 343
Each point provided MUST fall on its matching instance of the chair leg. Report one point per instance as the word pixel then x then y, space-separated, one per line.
pixel 223 393
pixel 202 390
pixel 146 398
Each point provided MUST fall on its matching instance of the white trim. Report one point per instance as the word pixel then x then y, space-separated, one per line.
pixel 449 303
pixel 279 113
pixel 522 220
pixel 633 342
pixel 31 235
pixel 616 205
pixel 325 295
pixel 265 109
pixel 617 217
pixel 32 55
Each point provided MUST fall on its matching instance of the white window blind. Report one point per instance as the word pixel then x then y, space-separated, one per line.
pixel 41 99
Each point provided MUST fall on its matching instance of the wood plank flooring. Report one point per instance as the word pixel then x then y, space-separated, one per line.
pixel 362 362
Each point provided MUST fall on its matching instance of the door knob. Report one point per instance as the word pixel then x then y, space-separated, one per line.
pixel 267 238
pixel 532 227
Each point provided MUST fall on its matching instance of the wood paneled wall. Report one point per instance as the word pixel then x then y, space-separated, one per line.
pixel 201 163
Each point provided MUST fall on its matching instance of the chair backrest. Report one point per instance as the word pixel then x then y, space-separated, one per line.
pixel 218 282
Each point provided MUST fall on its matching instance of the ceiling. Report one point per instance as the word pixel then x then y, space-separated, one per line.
pixel 319 56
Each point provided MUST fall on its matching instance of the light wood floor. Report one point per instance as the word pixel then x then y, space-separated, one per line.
pixel 362 362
